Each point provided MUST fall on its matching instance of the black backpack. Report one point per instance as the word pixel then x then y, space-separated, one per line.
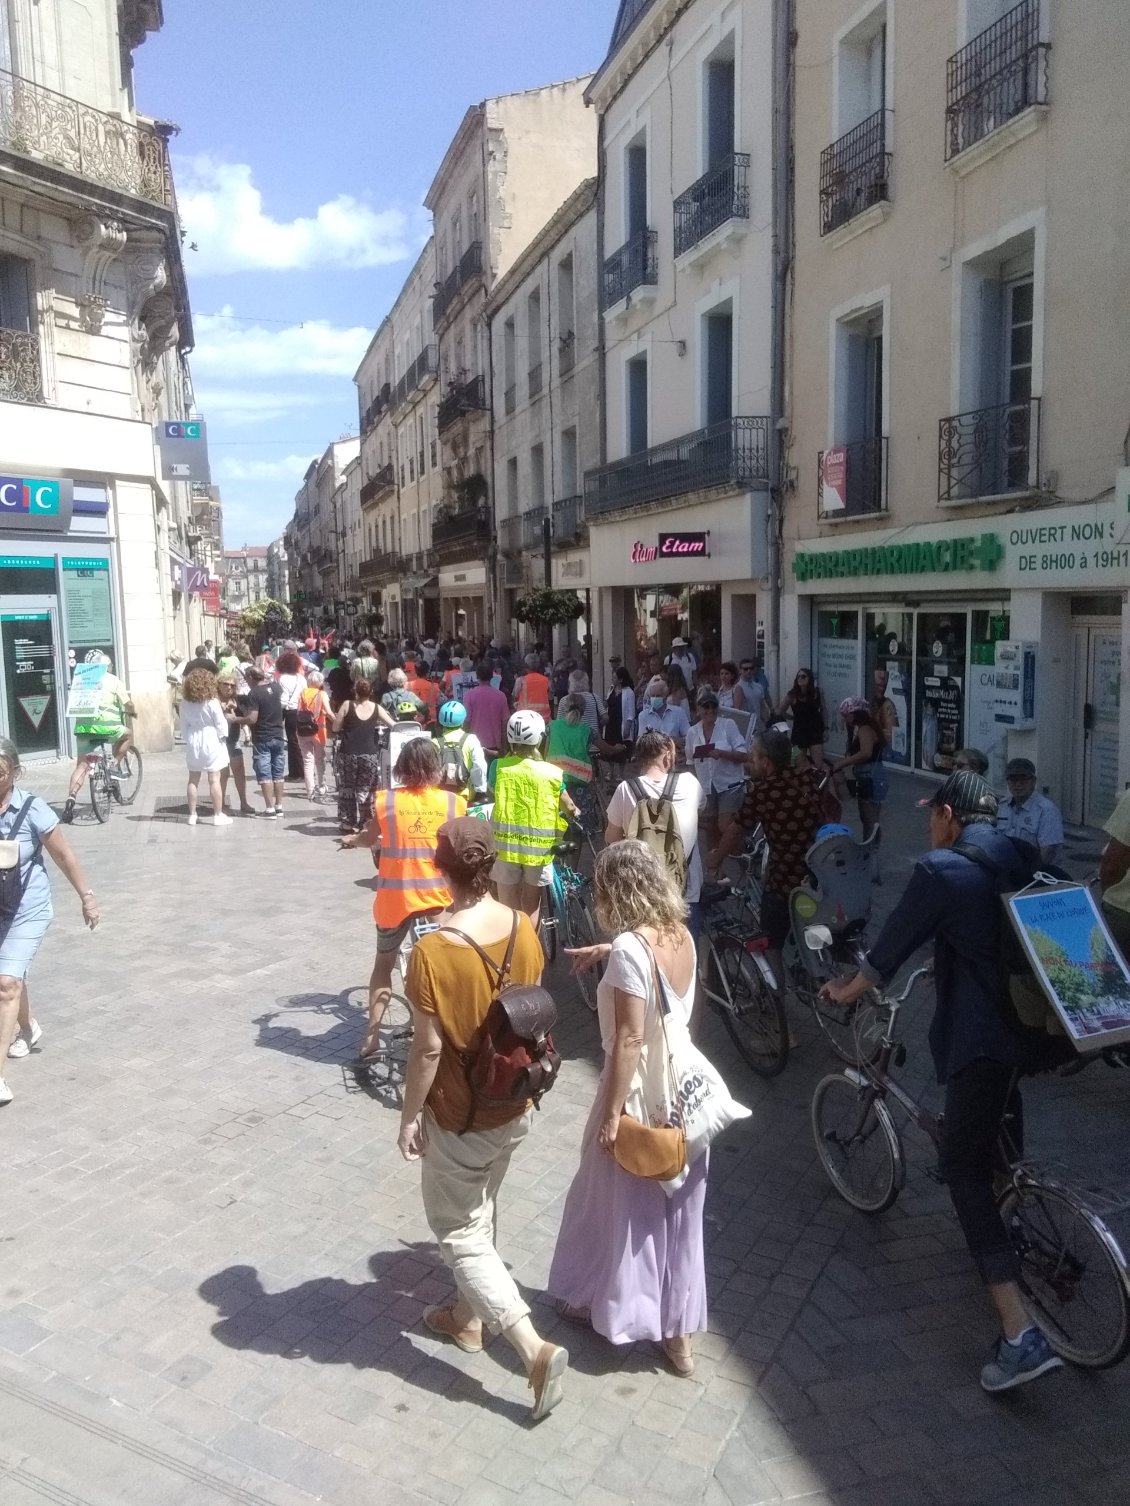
pixel 455 773
pixel 1022 1000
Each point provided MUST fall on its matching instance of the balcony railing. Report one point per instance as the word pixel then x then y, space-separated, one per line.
pixel 379 568
pixel 376 486
pixel 862 486
pixel 719 196
pixel 855 172
pixel 989 452
pixel 423 367
pixel 462 398
pixel 733 454
pixel 635 265
pixel 37 122
pixel 535 379
pixel 568 521
pixel 470 266
pixel 20 377
pixel 460 533
pixel 510 398
pixel 532 522
pixel 1002 71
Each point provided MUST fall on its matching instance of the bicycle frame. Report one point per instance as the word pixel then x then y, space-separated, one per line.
pixel 877 1074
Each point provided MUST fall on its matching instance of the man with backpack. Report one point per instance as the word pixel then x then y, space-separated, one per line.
pixel 660 808
pixel 978 1046
pixel 461 752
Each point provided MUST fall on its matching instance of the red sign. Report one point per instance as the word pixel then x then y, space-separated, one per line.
pixel 833 480
pixel 210 599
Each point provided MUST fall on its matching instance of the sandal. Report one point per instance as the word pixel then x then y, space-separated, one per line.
pixel 680 1360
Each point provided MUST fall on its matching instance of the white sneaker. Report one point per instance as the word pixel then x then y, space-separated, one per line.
pixel 219 819
pixel 22 1045
pixel 192 819
pixel 5 1093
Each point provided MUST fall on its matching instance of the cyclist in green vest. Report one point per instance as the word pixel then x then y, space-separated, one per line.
pixel 572 747
pixel 110 724
pixel 530 801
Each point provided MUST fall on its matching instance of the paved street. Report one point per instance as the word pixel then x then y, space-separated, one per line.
pixel 214 1260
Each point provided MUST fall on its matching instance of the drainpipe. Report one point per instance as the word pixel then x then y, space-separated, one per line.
pixel 782 265
pixel 601 384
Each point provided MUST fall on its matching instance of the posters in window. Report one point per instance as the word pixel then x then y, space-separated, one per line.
pixel 942 722
pixel 837 674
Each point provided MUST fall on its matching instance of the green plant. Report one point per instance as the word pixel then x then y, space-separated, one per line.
pixel 265 620
pixel 548 608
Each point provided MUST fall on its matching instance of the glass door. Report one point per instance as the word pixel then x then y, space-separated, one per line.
pixel 1094 787
pixel 940 658
pixel 29 637
pixel 889 672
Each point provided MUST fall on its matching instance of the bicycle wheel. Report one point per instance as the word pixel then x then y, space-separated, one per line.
pixel 755 1019
pixel 580 931
pixel 547 922
pixel 1073 1274
pixel 127 780
pixel 857 1143
pixel 100 792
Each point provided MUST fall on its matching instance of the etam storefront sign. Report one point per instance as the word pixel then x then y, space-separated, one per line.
pixel 676 546
pixel 36 503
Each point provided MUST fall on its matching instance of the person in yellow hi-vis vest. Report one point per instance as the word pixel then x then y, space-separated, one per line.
pixel 529 803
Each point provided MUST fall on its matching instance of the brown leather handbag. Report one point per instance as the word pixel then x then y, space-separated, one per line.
pixel 657 1154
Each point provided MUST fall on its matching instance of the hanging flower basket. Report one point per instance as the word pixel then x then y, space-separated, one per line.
pixel 548 608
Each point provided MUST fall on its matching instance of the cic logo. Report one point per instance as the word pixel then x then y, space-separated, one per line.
pixel 183 431
pixel 40 499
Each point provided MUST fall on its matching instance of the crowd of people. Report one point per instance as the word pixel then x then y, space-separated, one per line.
pixel 460 764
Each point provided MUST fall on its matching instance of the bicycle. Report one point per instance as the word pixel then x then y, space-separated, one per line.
pixel 1074 1277
pixel 113 781
pixel 566 906
pixel 734 972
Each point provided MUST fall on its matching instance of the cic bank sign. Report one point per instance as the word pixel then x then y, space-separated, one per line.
pixel 36 502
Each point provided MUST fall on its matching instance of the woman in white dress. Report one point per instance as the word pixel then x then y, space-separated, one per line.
pixel 204 732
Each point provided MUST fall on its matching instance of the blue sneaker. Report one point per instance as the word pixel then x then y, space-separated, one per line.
pixel 1017 1364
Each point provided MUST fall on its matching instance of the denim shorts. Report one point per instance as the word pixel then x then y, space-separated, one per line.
pixel 269 759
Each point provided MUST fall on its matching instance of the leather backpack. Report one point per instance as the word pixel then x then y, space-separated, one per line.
pixel 511 1057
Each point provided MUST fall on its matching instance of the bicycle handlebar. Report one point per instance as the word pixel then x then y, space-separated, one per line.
pixel 916 977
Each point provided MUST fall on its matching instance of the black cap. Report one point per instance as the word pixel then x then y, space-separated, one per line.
pixel 1020 768
pixel 966 794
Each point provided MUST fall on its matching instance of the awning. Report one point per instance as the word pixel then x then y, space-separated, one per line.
pixel 413 585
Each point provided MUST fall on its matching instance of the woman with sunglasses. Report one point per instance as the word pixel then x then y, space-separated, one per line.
pixel 804 707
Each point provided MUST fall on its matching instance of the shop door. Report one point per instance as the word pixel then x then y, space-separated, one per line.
pixel 29 635
pixel 1094 763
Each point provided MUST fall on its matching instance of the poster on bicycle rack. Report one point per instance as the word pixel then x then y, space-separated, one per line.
pixel 85 695
pixel 1078 965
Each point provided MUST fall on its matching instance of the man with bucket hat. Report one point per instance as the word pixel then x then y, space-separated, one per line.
pixel 953 900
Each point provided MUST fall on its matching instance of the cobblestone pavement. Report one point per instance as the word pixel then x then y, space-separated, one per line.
pixel 214 1260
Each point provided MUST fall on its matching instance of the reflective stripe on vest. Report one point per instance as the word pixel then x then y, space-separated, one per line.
pixel 526 804
pixel 408 880
pixel 534 697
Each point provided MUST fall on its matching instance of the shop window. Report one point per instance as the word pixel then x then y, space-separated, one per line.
pixel 982 730
pixel 838 666
pixel 940 658
pixel 888 646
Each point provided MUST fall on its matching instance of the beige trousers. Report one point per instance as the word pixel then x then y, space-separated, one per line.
pixel 460 1178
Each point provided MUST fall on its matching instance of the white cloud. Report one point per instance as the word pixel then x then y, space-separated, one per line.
pixel 223 215
pixel 243 408
pixel 290 468
pixel 234 349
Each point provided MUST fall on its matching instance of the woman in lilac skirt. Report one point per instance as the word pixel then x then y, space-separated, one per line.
pixel 629 1258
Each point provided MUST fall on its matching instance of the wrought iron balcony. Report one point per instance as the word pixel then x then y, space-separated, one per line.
pixel 461 533
pixel 21 380
pixel 733 454
pixel 995 77
pixel 863 488
pixel 568 522
pixel 49 127
pixel 719 196
pixel 635 265
pixel 377 485
pixel 855 172
pixel 468 269
pixel 532 523
pixel 376 409
pixel 423 367
pixel 989 452
pixel 462 398
pixel 379 568
pixel 510 398
pixel 535 379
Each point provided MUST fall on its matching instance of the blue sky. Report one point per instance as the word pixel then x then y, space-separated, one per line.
pixel 309 134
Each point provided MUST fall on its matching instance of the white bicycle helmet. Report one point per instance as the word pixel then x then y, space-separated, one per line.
pixel 525 729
